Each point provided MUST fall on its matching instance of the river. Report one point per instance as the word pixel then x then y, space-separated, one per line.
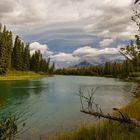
pixel 50 105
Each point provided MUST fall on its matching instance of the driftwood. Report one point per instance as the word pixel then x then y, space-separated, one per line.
pixel 88 109
pixel 130 121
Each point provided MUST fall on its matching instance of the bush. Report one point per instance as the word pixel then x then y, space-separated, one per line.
pixel 8 128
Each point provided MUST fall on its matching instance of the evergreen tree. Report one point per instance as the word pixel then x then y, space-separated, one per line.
pixel 26 58
pixel 17 54
pixel 35 61
pixel 52 68
pixel 5 49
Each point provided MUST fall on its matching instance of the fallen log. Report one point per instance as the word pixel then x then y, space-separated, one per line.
pixel 122 119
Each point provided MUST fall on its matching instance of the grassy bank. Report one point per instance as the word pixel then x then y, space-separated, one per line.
pixel 20 75
pixel 108 130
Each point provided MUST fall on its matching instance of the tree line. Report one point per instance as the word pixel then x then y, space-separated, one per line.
pixel 15 55
pixel 129 67
pixel 108 69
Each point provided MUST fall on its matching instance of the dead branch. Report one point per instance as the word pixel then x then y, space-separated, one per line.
pixel 90 100
pixel 125 55
pixel 131 121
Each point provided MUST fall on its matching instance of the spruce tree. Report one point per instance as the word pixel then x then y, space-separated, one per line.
pixel 5 49
pixel 17 54
pixel 26 57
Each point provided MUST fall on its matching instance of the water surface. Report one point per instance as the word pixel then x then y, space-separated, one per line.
pixel 49 105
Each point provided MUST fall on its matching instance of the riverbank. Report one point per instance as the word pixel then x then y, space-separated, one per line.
pixel 21 75
pixel 109 130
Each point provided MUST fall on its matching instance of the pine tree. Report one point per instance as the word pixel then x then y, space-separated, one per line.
pixel 5 49
pixel 52 68
pixel 26 58
pixel 17 54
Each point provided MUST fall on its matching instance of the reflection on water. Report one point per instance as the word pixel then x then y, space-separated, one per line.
pixel 47 105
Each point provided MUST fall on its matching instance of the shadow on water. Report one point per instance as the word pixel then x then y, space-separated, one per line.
pixel 16 95
pixel 20 89
pixel 18 98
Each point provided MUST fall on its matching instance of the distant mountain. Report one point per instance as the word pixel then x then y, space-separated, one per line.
pixel 82 64
pixel 118 61
pixel 97 62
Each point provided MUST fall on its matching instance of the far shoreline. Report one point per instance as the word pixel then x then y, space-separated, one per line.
pixel 22 75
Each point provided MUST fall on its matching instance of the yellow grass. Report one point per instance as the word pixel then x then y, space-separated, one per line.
pixel 20 75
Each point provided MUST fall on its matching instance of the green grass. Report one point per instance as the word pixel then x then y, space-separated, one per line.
pixel 19 75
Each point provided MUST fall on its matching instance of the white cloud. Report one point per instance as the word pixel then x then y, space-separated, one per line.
pixel 107 18
pixel 35 46
pixel 84 51
pixel 106 42
pixel 108 51
pixel 64 57
pixel 80 54
pixel 92 52
pixel 87 53
pixel 97 56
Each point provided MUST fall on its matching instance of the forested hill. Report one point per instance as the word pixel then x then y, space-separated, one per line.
pixel 15 55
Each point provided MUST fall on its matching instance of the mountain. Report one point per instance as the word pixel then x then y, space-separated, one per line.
pixel 96 62
pixel 82 64
pixel 118 61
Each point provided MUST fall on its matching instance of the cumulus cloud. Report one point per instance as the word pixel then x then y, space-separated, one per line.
pixel 97 56
pixel 84 53
pixel 106 42
pixel 88 51
pixel 35 46
pixel 64 57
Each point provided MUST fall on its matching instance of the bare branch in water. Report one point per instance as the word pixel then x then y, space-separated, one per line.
pixel 131 121
pixel 90 100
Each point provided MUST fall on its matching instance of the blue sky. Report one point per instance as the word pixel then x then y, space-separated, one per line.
pixel 70 31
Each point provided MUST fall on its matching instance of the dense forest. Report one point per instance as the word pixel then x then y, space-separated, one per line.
pixel 15 55
pixel 108 69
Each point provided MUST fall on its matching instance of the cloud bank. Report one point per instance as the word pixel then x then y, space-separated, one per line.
pixel 84 53
pixel 107 18
pixel 106 42
pixel 71 30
